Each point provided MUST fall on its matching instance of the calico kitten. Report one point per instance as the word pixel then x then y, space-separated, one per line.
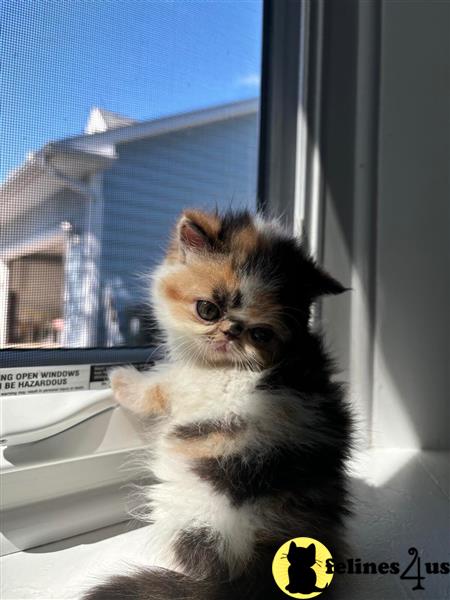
pixel 253 432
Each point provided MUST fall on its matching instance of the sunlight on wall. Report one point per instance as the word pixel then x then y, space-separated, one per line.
pixel 392 426
pixel 378 467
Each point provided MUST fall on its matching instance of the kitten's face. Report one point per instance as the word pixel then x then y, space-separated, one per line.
pixel 233 290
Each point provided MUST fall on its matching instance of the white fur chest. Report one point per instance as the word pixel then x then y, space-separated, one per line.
pixel 205 394
pixel 196 395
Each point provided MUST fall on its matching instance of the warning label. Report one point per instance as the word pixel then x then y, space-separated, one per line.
pixel 98 379
pixel 36 380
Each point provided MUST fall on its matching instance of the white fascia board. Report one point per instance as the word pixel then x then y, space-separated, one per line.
pixel 38 243
pixel 77 162
pixel 33 184
pixel 72 162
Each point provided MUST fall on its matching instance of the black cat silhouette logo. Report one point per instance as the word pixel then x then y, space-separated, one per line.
pixel 299 568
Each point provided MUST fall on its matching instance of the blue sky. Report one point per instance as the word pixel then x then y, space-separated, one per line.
pixel 141 58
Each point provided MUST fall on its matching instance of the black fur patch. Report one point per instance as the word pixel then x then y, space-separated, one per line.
pixel 225 300
pixel 255 583
pixel 153 584
pixel 236 301
pixel 196 551
pixel 315 477
pixel 205 428
pixel 295 279
pixel 221 297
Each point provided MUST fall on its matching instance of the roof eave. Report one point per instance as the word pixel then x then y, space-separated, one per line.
pixel 101 142
pixel 45 173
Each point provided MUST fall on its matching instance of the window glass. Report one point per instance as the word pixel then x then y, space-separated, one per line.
pixel 115 115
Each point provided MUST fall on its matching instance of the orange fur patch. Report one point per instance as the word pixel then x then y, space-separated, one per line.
pixel 198 280
pixel 172 291
pixel 245 241
pixel 214 445
pixel 155 401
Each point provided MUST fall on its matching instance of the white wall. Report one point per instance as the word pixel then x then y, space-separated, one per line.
pixel 412 361
pixel 386 160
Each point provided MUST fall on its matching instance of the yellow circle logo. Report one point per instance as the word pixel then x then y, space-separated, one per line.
pixel 300 568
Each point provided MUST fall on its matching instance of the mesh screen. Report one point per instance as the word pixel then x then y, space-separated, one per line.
pixel 115 115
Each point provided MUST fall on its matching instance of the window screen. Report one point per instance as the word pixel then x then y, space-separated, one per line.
pixel 115 115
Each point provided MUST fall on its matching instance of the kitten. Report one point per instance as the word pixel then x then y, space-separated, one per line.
pixel 253 432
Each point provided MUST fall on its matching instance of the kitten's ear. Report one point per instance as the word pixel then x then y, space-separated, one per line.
pixel 293 546
pixel 192 236
pixel 197 231
pixel 322 284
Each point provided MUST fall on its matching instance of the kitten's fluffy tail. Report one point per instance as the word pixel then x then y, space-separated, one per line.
pixel 161 584
pixel 151 584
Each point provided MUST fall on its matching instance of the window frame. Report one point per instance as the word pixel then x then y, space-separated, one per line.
pixel 77 494
pixel 323 173
pixel 298 145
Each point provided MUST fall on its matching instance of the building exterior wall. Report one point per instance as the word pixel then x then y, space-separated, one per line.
pixel 110 242
pixel 144 192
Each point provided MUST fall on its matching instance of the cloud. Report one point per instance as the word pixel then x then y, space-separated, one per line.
pixel 251 80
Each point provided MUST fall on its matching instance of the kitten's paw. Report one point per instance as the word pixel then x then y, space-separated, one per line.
pixel 126 384
pixel 138 392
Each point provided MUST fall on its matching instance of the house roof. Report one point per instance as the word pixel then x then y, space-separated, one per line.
pixel 101 120
pixel 104 142
pixel 59 163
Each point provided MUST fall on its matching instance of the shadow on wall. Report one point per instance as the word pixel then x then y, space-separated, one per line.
pixel 407 211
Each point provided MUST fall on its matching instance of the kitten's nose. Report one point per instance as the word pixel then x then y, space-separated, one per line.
pixel 235 329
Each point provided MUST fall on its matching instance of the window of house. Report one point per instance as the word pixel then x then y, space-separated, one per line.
pixel 116 115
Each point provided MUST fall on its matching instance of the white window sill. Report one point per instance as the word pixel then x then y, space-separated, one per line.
pixel 402 501
pixel 35 417
pixel 66 569
pixel 69 483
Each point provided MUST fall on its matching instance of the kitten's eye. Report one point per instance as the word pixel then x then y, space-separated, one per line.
pixel 261 335
pixel 208 311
